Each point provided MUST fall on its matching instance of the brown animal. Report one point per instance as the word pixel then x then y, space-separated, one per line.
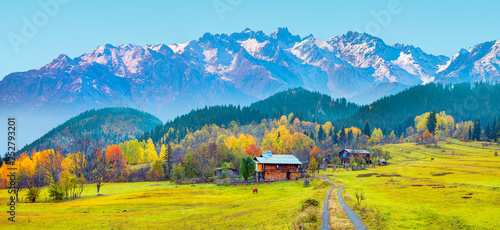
pixel 255 190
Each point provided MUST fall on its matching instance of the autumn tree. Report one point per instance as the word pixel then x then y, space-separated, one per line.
pixel 247 168
pixel 204 161
pixel 97 169
pixel 113 155
pixel 50 163
pixel 313 160
pixel 156 171
pixel 177 173
pixel 150 153
pixel 253 151
pixel 68 181
pixel 76 164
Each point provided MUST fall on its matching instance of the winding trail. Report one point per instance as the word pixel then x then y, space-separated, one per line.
pixel 353 217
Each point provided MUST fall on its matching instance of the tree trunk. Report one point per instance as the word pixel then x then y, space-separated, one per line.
pixel 98 187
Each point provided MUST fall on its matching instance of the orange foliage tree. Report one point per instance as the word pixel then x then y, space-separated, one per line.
pixel 253 151
pixel 113 155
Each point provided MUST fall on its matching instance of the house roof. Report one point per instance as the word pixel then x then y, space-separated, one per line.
pixel 277 159
pixel 357 151
pixel 219 169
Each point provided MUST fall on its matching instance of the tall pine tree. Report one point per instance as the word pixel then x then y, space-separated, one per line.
pixel 367 131
pixel 342 136
pixel 432 121
pixel 487 132
pixel 470 133
pixel 321 133
pixel 477 130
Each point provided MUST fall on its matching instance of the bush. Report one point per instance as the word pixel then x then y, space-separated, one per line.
pixel 33 193
pixel 309 202
pixel 311 218
pixel 56 192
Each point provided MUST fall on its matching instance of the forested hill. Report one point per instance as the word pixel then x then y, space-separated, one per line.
pixel 463 101
pixel 306 105
pixel 220 115
pixel 108 125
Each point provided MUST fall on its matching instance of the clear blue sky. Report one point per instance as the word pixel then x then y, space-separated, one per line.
pixel 438 27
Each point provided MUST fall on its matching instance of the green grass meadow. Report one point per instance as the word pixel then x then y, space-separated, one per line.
pixel 149 205
pixel 459 189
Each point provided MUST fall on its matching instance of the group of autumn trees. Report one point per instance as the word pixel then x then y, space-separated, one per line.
pixel 65 176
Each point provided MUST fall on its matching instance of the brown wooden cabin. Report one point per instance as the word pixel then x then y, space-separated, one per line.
pixel 271 167
pixel 346 155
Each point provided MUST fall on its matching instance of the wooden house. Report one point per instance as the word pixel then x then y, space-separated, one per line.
pixel 271 167
pixel 346 155
pixel 230 172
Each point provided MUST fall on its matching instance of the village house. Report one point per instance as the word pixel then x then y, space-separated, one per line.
pixel 272 167
pixel 346 155
pixel 230 172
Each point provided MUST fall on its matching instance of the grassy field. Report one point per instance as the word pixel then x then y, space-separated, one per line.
pixel 161 205
pixel 459 189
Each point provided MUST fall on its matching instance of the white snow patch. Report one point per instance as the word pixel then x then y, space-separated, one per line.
pixel 178 48
pixel 252 46
pixel 210 55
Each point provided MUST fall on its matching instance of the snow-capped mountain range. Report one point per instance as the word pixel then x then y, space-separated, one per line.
pixel 168 80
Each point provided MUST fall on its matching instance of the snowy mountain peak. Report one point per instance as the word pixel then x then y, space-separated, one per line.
pixel 354 37
pixel 239 68
pixel 282 34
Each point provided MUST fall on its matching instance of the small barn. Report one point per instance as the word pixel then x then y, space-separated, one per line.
pixel 272 167
pixel 346 155
pixel 230 172
pixel 382 162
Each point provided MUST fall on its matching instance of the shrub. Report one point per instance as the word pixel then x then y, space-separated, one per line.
pixel 309 202
pixel 311 217
pixel 56 192
pixel 33 193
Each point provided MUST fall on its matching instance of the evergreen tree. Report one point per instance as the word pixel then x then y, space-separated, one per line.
pixel 477 130
pixel 349 136
pixel 342 136
pixel 493 131
pixel 321 133
pixel 487 132
pixel 333 134
pixel 470 133
pixel 167 161
pixel 247 168
pixel 367 131
pixel 432 122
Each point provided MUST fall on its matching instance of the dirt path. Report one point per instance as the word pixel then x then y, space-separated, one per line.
pixel 325 219
pixel 353 217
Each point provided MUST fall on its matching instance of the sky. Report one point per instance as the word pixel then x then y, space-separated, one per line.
pixel 34 32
